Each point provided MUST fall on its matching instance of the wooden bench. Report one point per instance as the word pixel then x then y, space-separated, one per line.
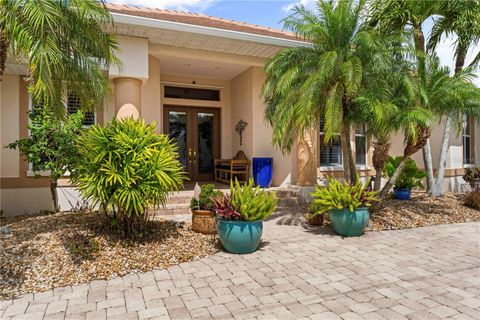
pixel 228 169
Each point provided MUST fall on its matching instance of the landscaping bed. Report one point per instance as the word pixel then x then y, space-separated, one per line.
pixel 45 251
pixel 422 210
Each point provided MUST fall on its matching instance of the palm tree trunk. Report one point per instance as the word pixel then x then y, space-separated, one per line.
pixel 53 192
pixel 380 155
pixel 427 160
pixel 386 188
pixel 349 169
pixel 378 180
pixel 307 158
pixel 3 52
pixel 437 190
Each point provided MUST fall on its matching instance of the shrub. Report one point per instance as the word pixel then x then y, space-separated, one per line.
pixel 127 168
pixel 246 202
pixel 50 146
pixel 337 195
pixel 472 199
pixel 205 201
pixel 411 177
pixel 472 175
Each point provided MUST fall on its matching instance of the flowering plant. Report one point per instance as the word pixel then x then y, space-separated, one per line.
pixel 224 208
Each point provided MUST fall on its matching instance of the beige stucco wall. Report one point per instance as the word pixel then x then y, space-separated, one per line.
pixel 133 52
pixel 9 114
pixel 151 109
pixel 242 95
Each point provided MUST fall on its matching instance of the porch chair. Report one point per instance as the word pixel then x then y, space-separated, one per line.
pixel 228 169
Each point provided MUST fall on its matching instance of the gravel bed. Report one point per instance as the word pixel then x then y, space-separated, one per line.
pixel 41 252
pixel 422 210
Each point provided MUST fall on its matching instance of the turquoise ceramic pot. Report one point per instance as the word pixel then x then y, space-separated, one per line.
pixel 240 236
pixel 349 224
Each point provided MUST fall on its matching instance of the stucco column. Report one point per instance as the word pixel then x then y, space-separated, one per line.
pixel 128 97
pixel 307 148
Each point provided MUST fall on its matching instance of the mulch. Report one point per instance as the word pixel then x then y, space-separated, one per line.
pixel 421 211
pixel 40 252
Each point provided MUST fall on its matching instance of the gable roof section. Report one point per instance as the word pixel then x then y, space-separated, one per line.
pixel 202 20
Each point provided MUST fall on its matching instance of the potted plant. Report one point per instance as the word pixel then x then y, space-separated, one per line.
pixel 241 215
pixel 203 220
pixel 411 177
pixel 315 217
pixel 347 205
pixel 472 176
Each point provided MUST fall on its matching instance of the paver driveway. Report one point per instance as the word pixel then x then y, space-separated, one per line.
pixel 424 273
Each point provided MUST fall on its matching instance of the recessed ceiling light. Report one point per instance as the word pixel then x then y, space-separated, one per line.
pixel 187 65
pixel 218 68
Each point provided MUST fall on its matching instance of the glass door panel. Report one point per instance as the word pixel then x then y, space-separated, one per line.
pixel 177 123
pixel 205 142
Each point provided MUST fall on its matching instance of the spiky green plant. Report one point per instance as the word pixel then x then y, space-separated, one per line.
pixel 338 195
pixel 252 202
pixel 127 168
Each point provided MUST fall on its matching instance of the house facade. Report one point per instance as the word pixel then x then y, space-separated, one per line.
pixel 197 77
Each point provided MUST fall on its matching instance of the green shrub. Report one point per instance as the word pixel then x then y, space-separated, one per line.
pixel 472 200
pixel 127 168
pixel 471 175
pixel 205 201
pixel 337 195
pixel 411 177
pixel 251 202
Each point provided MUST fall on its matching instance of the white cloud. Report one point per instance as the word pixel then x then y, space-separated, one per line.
pixel 306 3
pixel 183 5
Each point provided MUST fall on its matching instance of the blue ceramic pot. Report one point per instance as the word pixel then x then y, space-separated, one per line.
pixel 240 236
pixel 402 194
pixel 349 224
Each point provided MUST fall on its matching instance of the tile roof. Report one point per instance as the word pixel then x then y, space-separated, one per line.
pixel 199 20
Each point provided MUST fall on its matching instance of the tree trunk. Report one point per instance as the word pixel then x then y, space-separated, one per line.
pixel 3 52
pixel 380 155
pixel 53 191
pixel 378 180
pixel 386 188
pixel 307 158
pixel 427 160
pixel 437 190
pixel 349 169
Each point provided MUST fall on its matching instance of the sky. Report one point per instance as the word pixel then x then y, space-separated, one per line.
pixel 268 13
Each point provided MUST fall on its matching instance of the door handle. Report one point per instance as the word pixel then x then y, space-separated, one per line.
pixel 194 155
pixel 189 155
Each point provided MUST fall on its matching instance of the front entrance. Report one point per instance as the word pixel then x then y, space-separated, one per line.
pixel 197 134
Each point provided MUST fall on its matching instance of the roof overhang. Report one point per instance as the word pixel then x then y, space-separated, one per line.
pixel 208 31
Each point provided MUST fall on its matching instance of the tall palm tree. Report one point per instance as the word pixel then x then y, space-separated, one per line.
pixel 395 15
pixel 460 19
pixel 304 84
pixel 63 45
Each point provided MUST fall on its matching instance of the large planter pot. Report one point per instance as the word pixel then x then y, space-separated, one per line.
pixel 402 194
pixel 203 221
pixel 316 220
pixel 240 236
pixel 349 224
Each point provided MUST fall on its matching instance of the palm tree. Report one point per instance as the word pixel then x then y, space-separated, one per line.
pixel 460 19
pixel 305 84
pixel 396 15
pixel 63 45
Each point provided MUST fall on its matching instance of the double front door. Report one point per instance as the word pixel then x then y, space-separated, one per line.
pixel 196 132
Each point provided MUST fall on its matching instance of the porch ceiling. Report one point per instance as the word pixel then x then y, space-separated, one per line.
pixel 197 41
pixel 204 68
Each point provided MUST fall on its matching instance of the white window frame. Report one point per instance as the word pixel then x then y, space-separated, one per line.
pixel 365 135
pixel 46 173
pixel 329 167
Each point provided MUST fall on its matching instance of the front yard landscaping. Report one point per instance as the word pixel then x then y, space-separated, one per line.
pixel 46 251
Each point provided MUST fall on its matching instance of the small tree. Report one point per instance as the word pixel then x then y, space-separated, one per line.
pixel 127 168
pixel 51 145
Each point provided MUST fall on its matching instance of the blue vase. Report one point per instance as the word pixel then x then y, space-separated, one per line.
pixel 349 224
pixel 402 194
pixel 262 172
pixel 240 236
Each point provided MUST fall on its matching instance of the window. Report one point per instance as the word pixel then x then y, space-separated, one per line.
pixel 360 145
pixel 74 104
pixel 468 157
pixel 192 93
pixel 331 152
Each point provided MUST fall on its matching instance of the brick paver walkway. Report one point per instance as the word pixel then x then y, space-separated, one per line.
pixel 424 273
